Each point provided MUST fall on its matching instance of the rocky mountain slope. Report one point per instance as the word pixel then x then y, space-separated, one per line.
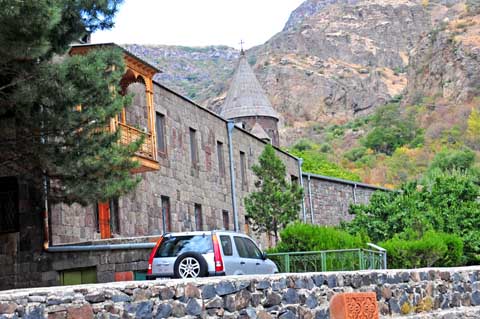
pixel 336 62
pixel 200 73
pixel 333 61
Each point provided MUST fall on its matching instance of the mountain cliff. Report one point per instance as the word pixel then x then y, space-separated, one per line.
pixel 334 59
pixel 334 66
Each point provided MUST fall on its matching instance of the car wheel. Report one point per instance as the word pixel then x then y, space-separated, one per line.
pixel 190 265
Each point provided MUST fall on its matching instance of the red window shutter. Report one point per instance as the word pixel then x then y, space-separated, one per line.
pixel 104 220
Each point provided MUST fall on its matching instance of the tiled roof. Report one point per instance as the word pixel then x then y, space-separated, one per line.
pixel 246 97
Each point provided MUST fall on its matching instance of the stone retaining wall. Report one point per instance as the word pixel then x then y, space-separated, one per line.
pixel 423 293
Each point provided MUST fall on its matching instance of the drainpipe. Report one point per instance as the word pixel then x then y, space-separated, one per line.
pixel 310 202
pixel 230 127
pixel 71 248
pixel 46 231
pixel 354 194
pixel 300 174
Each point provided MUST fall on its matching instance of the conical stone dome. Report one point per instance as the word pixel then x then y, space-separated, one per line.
pixel 246 98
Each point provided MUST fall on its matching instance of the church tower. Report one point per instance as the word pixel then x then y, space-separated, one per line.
pixel 247 104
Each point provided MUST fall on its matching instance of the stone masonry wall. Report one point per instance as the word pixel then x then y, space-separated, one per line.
pixel 181 181
pixel 331 198
pixel 422 293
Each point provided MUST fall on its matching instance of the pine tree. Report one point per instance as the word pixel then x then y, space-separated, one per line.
pixel 276 202
pixel 43 129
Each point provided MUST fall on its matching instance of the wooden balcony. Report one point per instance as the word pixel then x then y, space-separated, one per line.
pixel 146 155
pixel 137 70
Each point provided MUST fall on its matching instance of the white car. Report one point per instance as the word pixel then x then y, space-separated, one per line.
pixel 207 253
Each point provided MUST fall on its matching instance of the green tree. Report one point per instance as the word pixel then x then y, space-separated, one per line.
pixel 445 202
pixel 276 202
pixel 448 160
pixel 44 132
pixel 392 129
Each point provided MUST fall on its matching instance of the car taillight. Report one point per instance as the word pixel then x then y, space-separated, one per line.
pixel 152 255
pixel 217 256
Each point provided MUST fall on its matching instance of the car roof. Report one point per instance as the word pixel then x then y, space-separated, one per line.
pixel 204 232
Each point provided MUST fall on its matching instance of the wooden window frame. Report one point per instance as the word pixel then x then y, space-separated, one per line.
pixel 166 209
pixel 193 147
pixel 243 170
pixel 198 216
pixel 221 159
pixel 226 219
pixel 161 134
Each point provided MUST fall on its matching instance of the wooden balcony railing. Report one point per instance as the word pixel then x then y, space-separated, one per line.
pixel 130 134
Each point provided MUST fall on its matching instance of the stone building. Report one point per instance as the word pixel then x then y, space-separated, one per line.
pixel 186 162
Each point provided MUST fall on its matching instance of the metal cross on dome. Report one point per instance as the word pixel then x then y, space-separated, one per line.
pixel 241 47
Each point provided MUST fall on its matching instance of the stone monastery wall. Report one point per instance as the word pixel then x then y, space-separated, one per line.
pixel 328 199
pixel 422 293
pixel 179 181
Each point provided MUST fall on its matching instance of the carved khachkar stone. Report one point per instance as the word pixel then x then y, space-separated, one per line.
pixel 355 305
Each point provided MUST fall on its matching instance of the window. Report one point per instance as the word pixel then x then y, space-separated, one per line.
pixel 166 217
pixel 78 276
pixel 226 243
pixel 160 128
pixel 246 248
pixel 247 226
pixel 173 246
pixel 243 170
pixel 226 220
pixel 107 215
pixel 252 249
pixel 114 216
pixel 294 179
pixel 221 161
pixel 198 217
pixel 193 146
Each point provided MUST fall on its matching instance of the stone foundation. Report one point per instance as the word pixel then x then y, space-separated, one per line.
pixel 423 293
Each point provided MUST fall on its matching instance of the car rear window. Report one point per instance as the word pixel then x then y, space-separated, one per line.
pixel 173 246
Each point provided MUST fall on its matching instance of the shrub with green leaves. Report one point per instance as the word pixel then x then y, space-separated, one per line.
pixel 449 159
pixel 392 129
pixel 444 202
pixel 308 237
pixel 317 163
pixel 355 153
pixel 431 249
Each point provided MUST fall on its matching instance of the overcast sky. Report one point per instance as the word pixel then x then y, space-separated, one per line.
pixel 198 22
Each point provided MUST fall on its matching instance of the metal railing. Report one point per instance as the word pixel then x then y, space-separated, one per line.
pixel 129 134
pixel 330 260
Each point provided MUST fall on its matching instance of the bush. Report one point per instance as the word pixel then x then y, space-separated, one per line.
pixel 355 153
pixel 444 202
pixel 316 163
pixel 448 160
pixel 432 249
pixel 302 145
pixel 308 237
pixel 391 129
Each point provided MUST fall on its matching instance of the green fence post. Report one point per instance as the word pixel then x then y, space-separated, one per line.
pixel 287 262
pixel 323 258
pixel 360 259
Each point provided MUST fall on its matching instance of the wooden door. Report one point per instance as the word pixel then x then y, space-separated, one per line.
pixel 104 220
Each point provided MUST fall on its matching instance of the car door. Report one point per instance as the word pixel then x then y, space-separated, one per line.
pixel 255 256
pixel 245 263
